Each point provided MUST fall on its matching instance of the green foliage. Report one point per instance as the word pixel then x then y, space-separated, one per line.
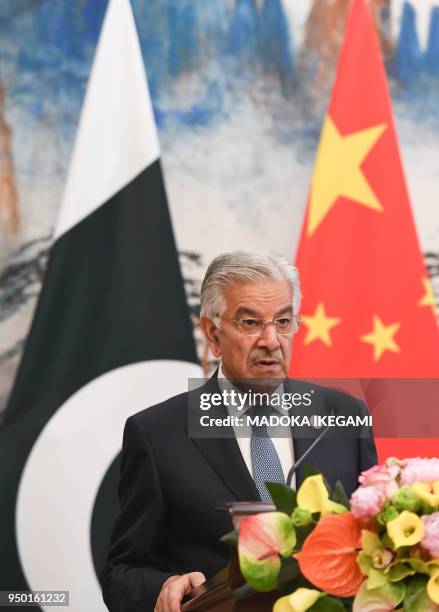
pixel 302 533
pixel 387 543
pixel 308 470
pixel 244 591
pixel 283 496
pixel 231 538
pixel 416 598
pixel 399 571
pixel 395 591
pixel 339 495
pixel 418 565
pixel 370 542
pixel 288 573
pixel 376 579
pixel 364 562
pixel 328 604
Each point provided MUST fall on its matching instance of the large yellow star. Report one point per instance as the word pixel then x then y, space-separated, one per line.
pixel 319 326
pixel 338 171
pixel 381 338
pixel 428 297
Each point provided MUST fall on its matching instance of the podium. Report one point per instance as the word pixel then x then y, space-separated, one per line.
pixel 216 594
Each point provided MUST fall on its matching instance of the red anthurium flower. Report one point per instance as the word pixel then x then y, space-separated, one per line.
pixel 328 557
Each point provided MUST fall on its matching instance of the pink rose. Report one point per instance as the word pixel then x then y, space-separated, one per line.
pixel 430 541
pixel 420 470
pixel 367 502
pixel 381 477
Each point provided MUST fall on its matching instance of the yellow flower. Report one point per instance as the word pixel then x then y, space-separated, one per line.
pixel 406 530
pixel 299 601
pixel 427 493
pixel 313 496
pixel 433 587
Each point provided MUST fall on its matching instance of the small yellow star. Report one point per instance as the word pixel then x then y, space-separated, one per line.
pixel 428 297
pixel 338 171
pixel 319 326
pixel 381 338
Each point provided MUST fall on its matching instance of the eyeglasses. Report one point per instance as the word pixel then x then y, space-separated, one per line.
pixel 285 326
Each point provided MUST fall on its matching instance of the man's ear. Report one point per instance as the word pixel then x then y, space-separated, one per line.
pixel 210 332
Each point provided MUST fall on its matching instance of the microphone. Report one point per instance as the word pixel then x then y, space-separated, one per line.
pixel 301 459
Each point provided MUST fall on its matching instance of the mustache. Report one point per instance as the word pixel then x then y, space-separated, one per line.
pixel 264 354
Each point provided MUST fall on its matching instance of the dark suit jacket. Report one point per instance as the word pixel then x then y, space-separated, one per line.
pixel 170 485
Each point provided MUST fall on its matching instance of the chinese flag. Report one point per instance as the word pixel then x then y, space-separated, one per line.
pixel 368 307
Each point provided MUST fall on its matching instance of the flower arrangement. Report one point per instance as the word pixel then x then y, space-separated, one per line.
pixel 322 552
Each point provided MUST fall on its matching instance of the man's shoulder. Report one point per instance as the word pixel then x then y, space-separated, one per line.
pixel 163 412
pixel 173 409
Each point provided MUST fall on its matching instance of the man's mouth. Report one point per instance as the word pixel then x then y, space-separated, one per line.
pixel 267 362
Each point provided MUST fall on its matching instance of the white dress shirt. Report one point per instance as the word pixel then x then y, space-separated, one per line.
pixel 284 446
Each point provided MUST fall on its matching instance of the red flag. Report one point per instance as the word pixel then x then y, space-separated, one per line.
pixel 368 307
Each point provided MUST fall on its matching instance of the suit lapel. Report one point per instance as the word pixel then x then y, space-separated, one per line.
pixel 225 457
pixel 224 454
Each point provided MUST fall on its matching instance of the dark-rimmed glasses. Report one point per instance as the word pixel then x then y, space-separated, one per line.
pixel 285 326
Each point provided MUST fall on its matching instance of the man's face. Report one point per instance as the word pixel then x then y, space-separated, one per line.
pixel 264 356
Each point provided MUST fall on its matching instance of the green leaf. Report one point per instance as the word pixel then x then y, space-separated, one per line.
pixel 420 566
pixel 303 532
pixel 426 508
pixel 308 470
pixel 387 597
pixel 231 538
pixel 416 598
pixel 289 570
pixel 364 563
pixel 387 542
pixel 246 590
pixel 370 542
pixel 394 591
pixel 376 579
pixel 399 571
pixel 340 496
pixel 328 604
pixel 283 496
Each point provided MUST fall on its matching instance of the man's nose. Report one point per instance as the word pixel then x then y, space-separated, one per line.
pixel 269 338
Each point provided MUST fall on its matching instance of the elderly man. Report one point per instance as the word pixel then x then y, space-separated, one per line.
pixel 166 538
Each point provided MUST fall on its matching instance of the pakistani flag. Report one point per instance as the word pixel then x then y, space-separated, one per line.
pixel 111 335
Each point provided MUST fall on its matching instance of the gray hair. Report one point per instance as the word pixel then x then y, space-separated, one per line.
pixel 242 267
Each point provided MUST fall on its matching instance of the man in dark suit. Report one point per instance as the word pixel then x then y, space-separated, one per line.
pixel 166 538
